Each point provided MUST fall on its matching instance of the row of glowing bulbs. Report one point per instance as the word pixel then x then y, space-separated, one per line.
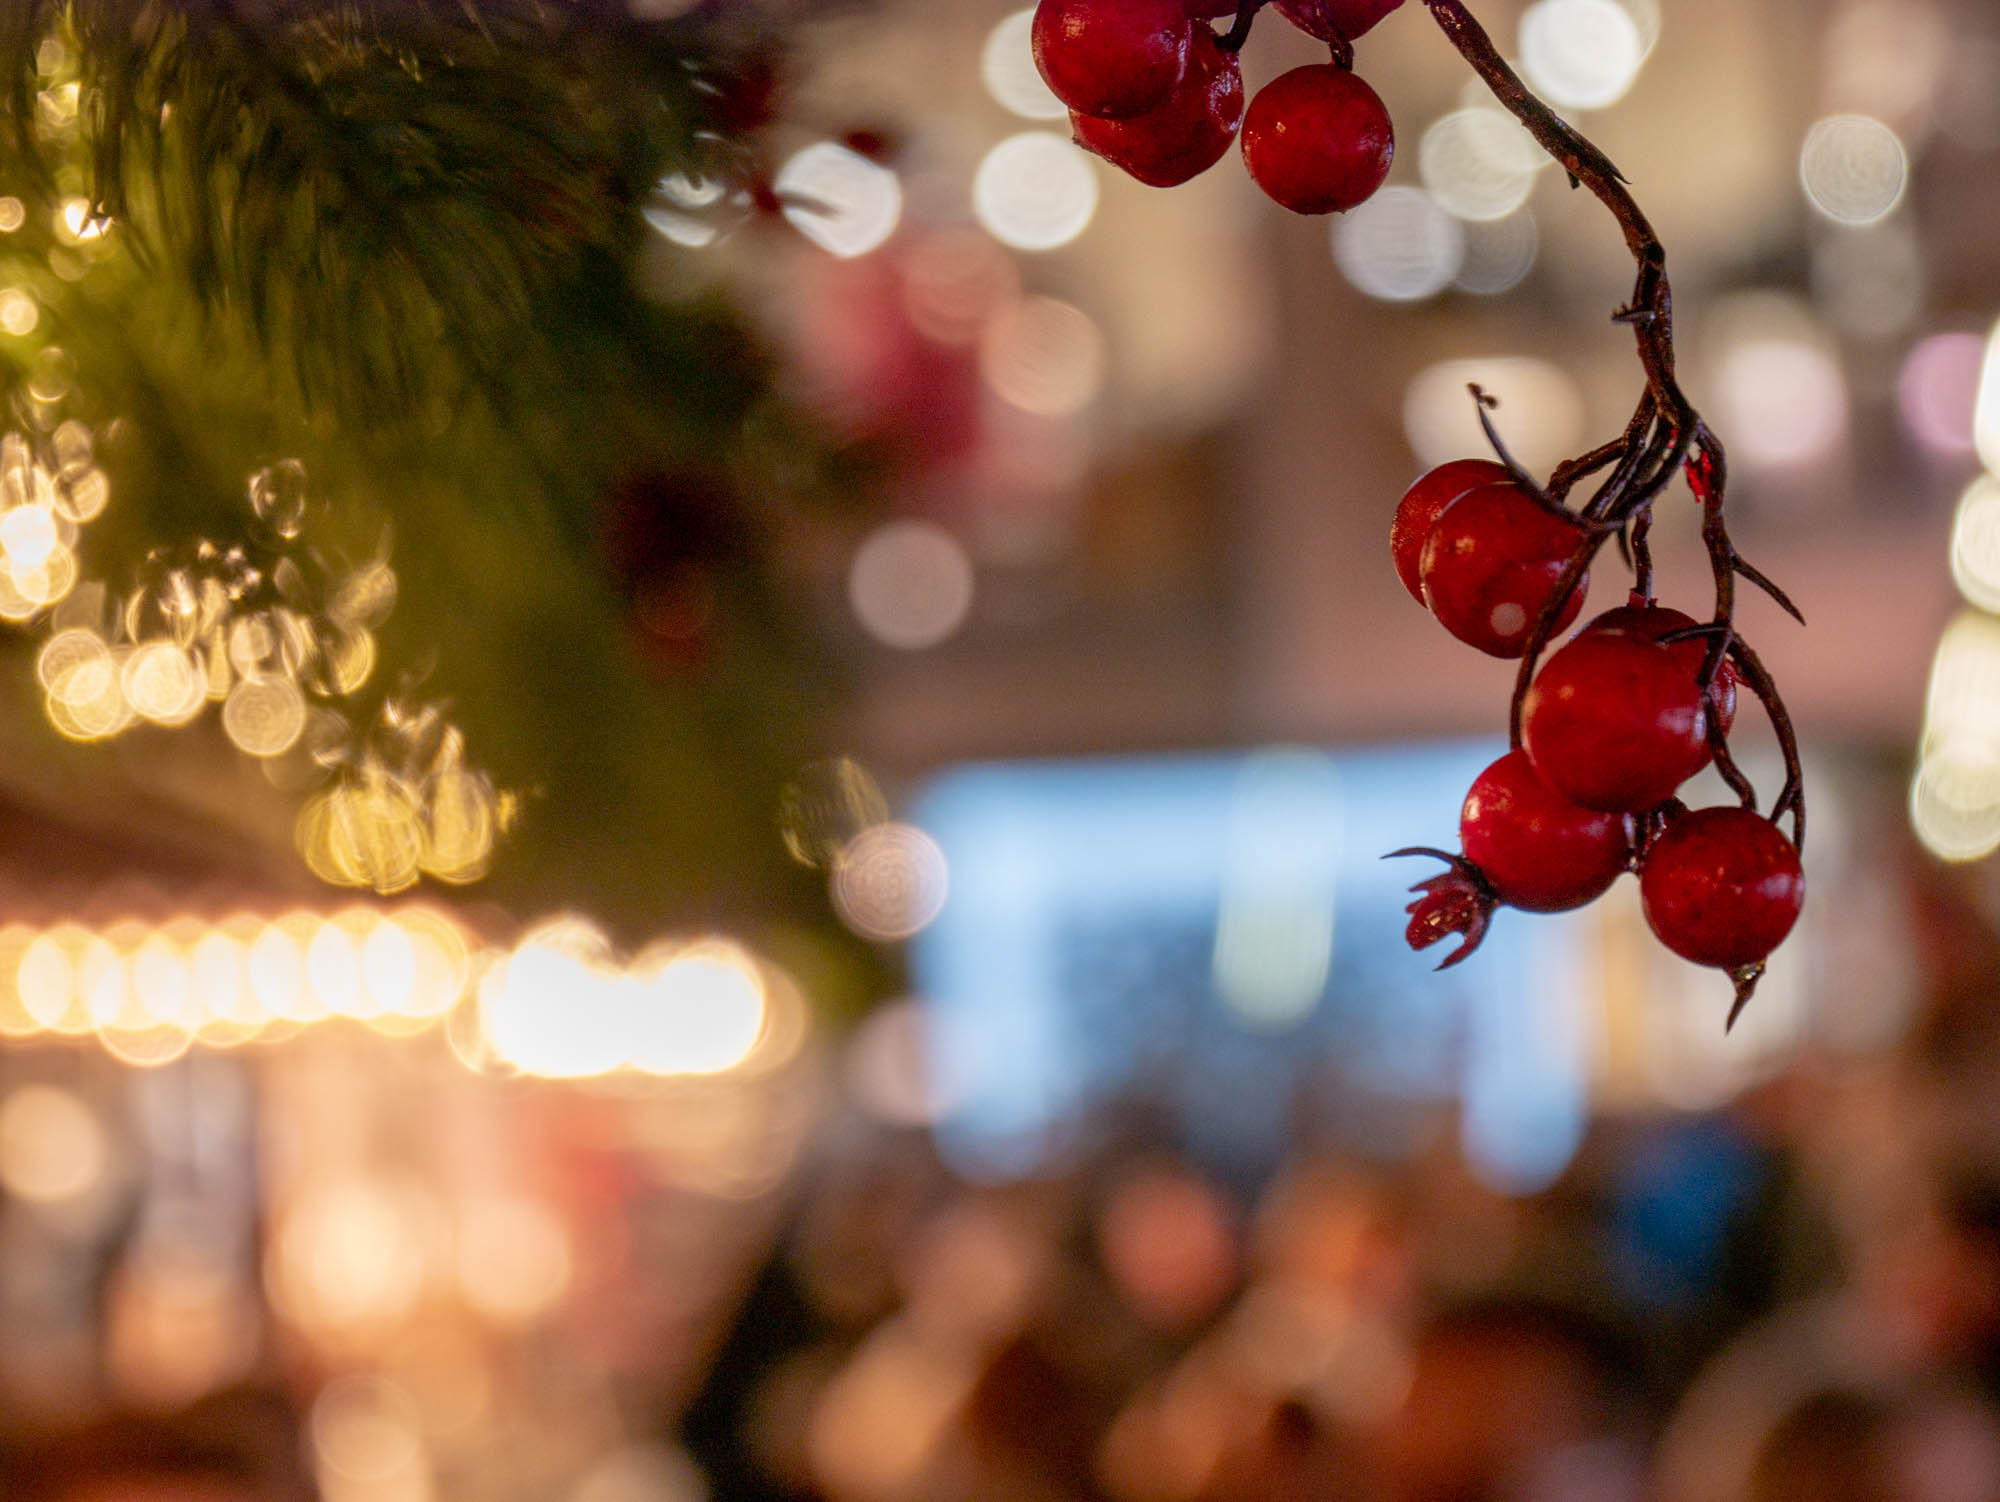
pixel 560 1003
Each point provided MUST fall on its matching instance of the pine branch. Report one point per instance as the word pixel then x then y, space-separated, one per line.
pixel 381 189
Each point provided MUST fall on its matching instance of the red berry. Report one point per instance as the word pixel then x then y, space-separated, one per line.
pixel 1615 721
pixel 1492 564
pixel 1112 58
pixel 1650 622
pixel 1722 886
pixel 1538 850
pixel 1318 139
pixel 1183 137
pixel 1424 502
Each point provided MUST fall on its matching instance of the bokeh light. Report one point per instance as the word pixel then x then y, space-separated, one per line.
pixel 19 312
pixel 276 966
pixel 461 825
pixel 1045 356
pixel 148 991
pixel 1499 254
pixel 677 217
pixel 179 1321
pixel 827 804
pixel 349 1257
pixel 53 1148
pixel 513 1258
pixel 1937 390
pixel 1787 400
pixel 333 970
pixel 1975 543
pixel 28 535
pixel 890 882
pixel 954 280
pixel 75 222
pixel 840 200
pixel 551 1007
pixel 218 965
pixel 891 1069
pixel 910 585
pixel 1035 191
pixel 1479 164
pixel 1007 67
pixel 364 834
pixel 46 979
pixel 1986 405
pixel 641 1473
pixel 162 684
pixel 1955 804
pixel 1853 168
pixel 366 1436
pixel 1541 411
pixel 1399 246
pixel 1580 54
pixel 264 716
pixel 561 1005
pixel 700 1009
pixel 1955 795
pixel 1168 1239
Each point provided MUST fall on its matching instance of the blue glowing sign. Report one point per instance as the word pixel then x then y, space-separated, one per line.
pixel 1220 936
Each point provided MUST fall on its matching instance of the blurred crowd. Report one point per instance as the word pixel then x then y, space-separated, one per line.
pixel 1793 1300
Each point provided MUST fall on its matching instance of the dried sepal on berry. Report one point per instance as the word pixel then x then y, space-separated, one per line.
pixel 1455 901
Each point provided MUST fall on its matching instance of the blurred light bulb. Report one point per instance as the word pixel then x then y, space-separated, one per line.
pixel 1581 54
pixel 1007 66
pixel 840 200
pixel 1044 356
pixel 1035 191
pixel 1986 405
pixel 1541 411
pixel 264 716
pixel 52 1147
pixel 1938 389
pixel 1786 399
pixel 1498 254
pixel 702 1012
pixel 1479 164
pixel 28 533
pixel 513 1258
pixel 890 882
pixel 1399 246
pixel 910 585
pixel 1853 168
pixel 19 312
pixel 953 282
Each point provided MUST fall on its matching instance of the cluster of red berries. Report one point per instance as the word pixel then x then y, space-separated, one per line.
pixel 1639 700
pixel 1613 723
pixel 1153 90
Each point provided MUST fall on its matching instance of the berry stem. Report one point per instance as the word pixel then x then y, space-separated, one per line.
pixel 1567 473
pixel 1239 29
pixel 1665 437
pixel 1642 555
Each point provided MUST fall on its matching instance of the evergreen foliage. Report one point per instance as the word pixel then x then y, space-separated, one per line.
pixel 402 240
